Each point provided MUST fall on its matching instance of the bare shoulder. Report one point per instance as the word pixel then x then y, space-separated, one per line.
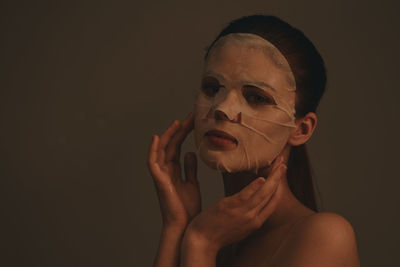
pixel 326 227
pixel 321 239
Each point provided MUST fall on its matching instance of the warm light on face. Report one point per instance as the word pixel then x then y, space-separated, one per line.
pixel 244 109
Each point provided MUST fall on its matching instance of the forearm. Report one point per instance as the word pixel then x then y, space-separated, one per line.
pixel 196 252
pixel 168 253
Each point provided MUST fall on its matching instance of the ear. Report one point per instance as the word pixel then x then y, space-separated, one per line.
pixel 304 129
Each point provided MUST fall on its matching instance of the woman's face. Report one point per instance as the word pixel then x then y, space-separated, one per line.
pixel 244 109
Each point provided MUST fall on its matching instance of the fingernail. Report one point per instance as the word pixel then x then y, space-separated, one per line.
pixel 260 180
pixel 283 167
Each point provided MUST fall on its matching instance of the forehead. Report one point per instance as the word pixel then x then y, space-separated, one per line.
pixel 249 58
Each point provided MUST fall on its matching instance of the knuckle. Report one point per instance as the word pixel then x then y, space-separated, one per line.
pixel 257 223
pixel 249 217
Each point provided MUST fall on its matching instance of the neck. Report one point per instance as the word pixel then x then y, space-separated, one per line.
pixel 234 182
pixel 288 209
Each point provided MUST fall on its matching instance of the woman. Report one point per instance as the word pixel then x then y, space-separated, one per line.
pixel 255 111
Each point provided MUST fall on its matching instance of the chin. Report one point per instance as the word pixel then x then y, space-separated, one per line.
pixel 216 160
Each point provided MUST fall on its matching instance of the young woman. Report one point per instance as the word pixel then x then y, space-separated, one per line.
pixel 255 110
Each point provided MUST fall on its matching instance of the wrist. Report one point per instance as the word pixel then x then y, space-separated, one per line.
pixel 175 224
pixel 173 230
pixel 169 247
pixel 197 251
pixel 196 241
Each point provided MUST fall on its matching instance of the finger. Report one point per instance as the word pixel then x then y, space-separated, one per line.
pixel 168 133
pixel 265 172
pixel 158 175
pixel 152 160
pixel 155 170
pixel 262 196
pixel 276 163
pixel 269 207
pixel 174 146
pixel 166 137
pixel 250 189
pixel 190 164
pixel 153 150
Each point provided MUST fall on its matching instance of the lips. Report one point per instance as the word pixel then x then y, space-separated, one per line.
pixel 221 134
pixel 221 140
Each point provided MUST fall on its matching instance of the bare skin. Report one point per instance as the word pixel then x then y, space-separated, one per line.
pixel 259 218
pixel 279 237
pixel 261 246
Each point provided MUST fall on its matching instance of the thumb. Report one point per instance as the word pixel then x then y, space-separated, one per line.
pixel 190 166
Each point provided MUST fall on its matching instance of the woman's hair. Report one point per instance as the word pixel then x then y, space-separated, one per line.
pixel 310 74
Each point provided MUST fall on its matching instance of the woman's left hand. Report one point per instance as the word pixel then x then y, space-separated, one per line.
pixel 233 218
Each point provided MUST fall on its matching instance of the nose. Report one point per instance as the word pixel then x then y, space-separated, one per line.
pixel 221 115
pixel 227 108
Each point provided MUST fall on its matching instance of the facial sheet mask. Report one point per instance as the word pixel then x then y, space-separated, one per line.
pixel 261 131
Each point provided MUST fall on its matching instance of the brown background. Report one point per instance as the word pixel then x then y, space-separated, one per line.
pixel 84 85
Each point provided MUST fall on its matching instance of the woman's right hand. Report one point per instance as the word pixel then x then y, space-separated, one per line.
pixel 179 199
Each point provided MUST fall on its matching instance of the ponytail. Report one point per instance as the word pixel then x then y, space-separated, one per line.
pixel 299 176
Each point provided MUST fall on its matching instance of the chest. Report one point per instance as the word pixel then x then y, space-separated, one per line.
pixel 256 251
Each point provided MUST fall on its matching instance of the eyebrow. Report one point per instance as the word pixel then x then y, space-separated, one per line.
pixel 260 84
pixel 214 74
pixel 222 79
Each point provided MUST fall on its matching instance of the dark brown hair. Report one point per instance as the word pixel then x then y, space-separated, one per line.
pixel 310 74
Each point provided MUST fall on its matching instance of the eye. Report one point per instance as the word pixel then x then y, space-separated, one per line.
pixel 210 86
pixel 257 96
pixel 210 89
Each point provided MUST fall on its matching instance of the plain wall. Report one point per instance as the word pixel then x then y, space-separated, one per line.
pixel 84 85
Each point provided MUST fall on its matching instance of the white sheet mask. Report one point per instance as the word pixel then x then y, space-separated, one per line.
pixel 242 64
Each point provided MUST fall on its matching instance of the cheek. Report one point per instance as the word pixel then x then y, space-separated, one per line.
pixel 202 107
pixel 270 127
pixel 276 133
pixel 261 137
pixel 262 145
pixel 198 130
pixel 265 137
